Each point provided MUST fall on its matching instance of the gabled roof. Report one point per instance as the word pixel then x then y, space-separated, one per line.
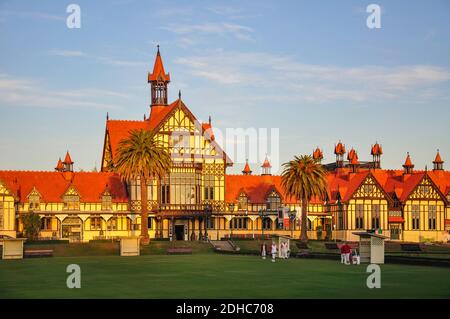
pixel 120 129
pixel 256 187
pixel 53 185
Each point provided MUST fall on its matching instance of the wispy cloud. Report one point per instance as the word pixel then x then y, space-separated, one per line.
pixel 285 78
pixel 66 53
pixel 236 30
pixel 101 59
pixel 32 15
pixel 22 92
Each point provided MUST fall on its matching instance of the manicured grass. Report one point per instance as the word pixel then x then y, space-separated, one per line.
pixel 214 276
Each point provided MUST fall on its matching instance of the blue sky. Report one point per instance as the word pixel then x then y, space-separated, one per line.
pixel 310 68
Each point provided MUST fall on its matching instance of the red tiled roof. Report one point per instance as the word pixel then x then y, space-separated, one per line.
pixel 120 129
pixel 53 185
pixel 256 187
pixel 396 219
pixel 158 70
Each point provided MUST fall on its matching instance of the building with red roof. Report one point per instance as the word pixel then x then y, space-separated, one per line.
pixel 198 199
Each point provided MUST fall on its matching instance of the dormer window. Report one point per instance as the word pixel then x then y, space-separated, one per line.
pixel 243 202
pixel 106 201
pixel 34 200
pixel 273 201
pixel 34 203
pixel 71 199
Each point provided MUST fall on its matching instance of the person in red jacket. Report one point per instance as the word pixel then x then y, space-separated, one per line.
pixel 346 250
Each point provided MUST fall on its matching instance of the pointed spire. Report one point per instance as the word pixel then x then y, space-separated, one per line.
pixel 408 166
pixel 158 73
pixel 266 166
pixel 438 163
pixel 67 159
pixel 247 170
pixel 59 166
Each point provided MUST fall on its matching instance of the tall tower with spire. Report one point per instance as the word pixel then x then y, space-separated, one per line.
pixel 158 80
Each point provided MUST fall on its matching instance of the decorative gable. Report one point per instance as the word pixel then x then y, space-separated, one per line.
pixel 425 190
pixel 369 189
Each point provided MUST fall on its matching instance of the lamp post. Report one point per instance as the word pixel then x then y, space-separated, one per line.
pixel 207 211
pixel 262 213
pixel 231 209
pixel 292 221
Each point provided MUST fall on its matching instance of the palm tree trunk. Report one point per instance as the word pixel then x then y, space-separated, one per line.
pixel 304 233
pixel 144 209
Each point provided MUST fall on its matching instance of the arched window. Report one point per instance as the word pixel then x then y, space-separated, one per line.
pixel 243 202
pixel 273 201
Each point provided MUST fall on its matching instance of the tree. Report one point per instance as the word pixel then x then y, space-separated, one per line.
pixel 304 178
pixel 142 157
pixel 31 225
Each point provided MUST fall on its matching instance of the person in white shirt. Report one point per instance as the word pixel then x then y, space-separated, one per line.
pixel 274 251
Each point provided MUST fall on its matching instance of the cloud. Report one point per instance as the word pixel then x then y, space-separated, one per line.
pixel 284 78
pixel 21 92
pixel 66 53
pixel 33 15
pixel 101 59
pixel 236 30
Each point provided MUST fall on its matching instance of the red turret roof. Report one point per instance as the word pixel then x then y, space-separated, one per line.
pixel 376 149
pixel 351 154
pixel 67 159
pixel 438 158
pixel 247 169
pixel 339 149
pixel 266 163
pixel 317 154
pixel 354 160
pixel 158 70
pixel 408 162
pixel 59 166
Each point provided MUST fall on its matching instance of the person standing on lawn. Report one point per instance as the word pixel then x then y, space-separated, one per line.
pixel 274 252
pixel 345 252
pixel 263 251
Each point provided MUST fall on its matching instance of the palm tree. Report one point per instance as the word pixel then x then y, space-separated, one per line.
pixel 304 178
pixel 142 157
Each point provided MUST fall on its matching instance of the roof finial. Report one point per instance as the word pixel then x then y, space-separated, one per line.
pixel 107 116
pixel 179 94
pixel 145 116
pixel 209 120
pixel 157 47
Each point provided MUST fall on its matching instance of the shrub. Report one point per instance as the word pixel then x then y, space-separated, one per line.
pixel 31 225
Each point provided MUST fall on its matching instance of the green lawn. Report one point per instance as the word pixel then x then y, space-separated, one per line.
pixel 214 276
